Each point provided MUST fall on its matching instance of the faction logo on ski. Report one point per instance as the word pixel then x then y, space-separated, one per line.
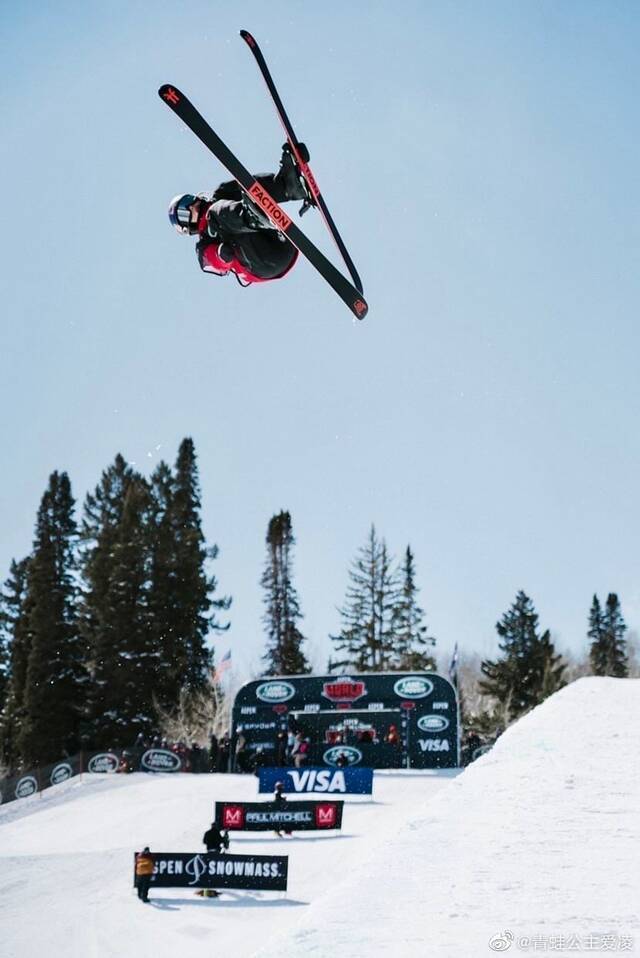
pixel 433 723
pixel 277 215
pixel 171 95
pixel 326 816
pixel 233 816
pixel 344 689
pixel 351 754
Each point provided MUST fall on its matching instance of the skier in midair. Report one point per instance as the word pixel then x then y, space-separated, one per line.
pixel 234 235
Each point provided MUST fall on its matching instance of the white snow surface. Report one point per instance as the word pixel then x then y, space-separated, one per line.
pixel 538 838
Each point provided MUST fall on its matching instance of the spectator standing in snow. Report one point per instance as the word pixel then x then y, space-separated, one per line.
pixel 144 872
pixel 215 840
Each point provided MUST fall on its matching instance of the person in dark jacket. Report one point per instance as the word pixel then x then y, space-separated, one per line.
pixel 144 872
pixel 215 840
pixel 281 748
pixel 224 751
pixel 234 234
pixel 280 801
pixel 213 753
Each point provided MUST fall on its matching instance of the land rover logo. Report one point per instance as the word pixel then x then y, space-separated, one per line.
pixel 103 762
pixel 413 687
pixel 433 723
pixel 160 760
pixel 26 786
pixel 275 692
pixel 352 755
pixel 61 773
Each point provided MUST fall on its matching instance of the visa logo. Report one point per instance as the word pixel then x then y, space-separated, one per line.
pixel 312 780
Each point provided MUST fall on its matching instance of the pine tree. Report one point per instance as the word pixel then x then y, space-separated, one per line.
pixel 98 533
pixel 182 603
pixel 55 684
pixel 598 650
pixel 530 669
pixel 284 654
pixel 410 632
pixel 367 634
pixel 124 656
pixel 15 632
pixel 607 630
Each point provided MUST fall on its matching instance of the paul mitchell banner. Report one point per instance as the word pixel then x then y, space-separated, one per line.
pixel 255 872
pixel 267 816
pixel 342 781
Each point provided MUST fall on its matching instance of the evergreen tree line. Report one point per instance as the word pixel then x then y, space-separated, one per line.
pixel 383 626
pixel 104 626
pixel 383 629
pixel 105 622
pixel 529 668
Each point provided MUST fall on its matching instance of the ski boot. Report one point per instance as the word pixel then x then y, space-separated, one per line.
pixel 289 172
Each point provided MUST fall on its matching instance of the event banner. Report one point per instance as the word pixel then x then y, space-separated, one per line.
pixel 267 816
pixel 342 781
pixel 95 763
pixel 255 872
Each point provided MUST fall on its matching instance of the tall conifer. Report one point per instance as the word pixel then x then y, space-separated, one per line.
pixel 184 610
pixel 410 632
pixel 607 628
pixel 366 639
pixel 530 669
pixel 14 627
pixel 284 655
pixel 121 700
pixel 56 681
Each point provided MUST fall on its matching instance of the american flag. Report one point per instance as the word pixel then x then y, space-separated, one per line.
pixel 223 665
pixel 453 666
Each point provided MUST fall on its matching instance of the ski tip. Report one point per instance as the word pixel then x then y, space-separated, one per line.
pixel 248 38
pixel 170 94
pixel 360 308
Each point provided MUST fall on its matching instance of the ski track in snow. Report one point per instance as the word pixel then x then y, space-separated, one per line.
pixel 538 837
pixel 71 851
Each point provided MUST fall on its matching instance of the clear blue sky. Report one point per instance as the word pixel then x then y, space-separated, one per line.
pixel 482 162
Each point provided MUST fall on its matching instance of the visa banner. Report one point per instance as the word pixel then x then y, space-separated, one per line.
pixel 267 816
pixel 326 781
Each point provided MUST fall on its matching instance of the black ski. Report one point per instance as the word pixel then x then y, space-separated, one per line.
pixel 183 107
pixel 299 157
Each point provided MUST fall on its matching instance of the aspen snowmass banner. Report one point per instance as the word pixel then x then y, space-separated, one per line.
pixel 267 816
pixel 256 872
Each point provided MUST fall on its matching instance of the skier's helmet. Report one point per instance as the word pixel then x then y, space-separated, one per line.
pixel 180 213
pixel 279 786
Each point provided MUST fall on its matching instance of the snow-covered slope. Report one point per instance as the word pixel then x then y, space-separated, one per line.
pixel 66 865
pixel 537 838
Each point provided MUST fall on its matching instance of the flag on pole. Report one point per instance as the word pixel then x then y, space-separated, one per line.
pixel 223 665
pixel 453 666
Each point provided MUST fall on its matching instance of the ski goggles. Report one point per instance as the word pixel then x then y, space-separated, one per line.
pixel 181 213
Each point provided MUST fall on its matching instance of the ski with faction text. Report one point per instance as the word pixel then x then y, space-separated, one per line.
pixel 301 157
pixel 182 106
